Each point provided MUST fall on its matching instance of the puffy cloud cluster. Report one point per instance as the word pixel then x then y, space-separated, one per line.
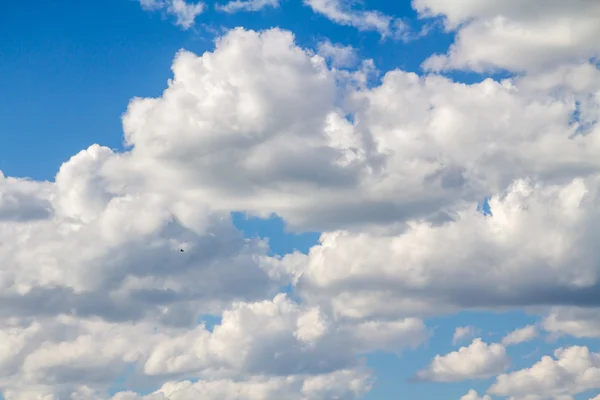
pixel 478 360
pixel 572 371
pixel 107 270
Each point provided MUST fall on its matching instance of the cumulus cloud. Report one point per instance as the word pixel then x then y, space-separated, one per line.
pixel 477 361
pixel 24 199
pixel 520 335
pixel 573 370
pixel 109 267
pixel 497 34
pixel 262 339
pixel 463 332
pixel 416 147
pixel 185 13
pixel 112 251
pixel 246 5
pixel 523 255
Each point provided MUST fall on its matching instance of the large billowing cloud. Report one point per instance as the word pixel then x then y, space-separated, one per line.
pixel 106 270
pixel 536 249
pixel 417 146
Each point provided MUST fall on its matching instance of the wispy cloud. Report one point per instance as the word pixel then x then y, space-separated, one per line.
pixel 520 335
pixel 185 13
pixel 366 20
pixel 246 5
pixel 464 333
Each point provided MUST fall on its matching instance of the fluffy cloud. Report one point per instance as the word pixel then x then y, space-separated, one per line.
pixel 263 339
pixel 573 370
pixel 539 35
pixel 23 199
pixel 247 5
pixel 535 250
pixel 185 13
pixel 477 361
pixel 520 335
pixel 109 250
pixel 416 148
pixel 108 267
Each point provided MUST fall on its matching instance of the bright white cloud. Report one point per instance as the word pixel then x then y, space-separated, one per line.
pixel 93 277
pixel 463 333
pixel 478 360
pixel 573 370
pixel 185 13
pixel 247 5
pixel 422 145
pixel 520 335
pixel 531 36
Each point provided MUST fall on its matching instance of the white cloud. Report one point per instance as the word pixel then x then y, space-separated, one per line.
pixel 112 249
pixel 538 35
pixel 521 256
pixel 463 333
pixel 246 5
pixel 364 20
pixel 93 280
pixel 577 322
pixel 185 13
pixel 573 370
pixel 343 385
pixel 520 335
pixel 262 339
pixel 477 361
pixel 421 146
pixel 472 395
pixel 339 55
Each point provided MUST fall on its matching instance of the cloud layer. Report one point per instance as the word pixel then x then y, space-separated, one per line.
pixel 110 269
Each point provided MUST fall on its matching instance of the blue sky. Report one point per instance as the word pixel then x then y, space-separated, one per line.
pixel 70 69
